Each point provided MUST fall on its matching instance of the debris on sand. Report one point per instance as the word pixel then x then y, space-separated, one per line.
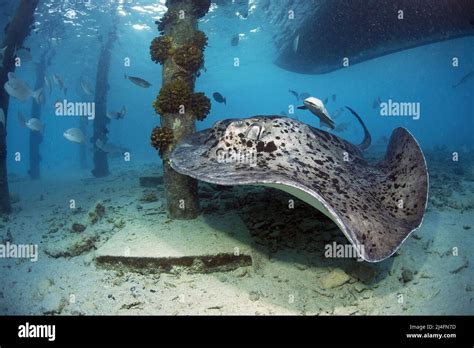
pixel 334 279
pixel 97 213
pixel 78 227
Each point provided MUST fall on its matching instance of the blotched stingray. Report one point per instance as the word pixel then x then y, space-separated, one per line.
pixel 375 206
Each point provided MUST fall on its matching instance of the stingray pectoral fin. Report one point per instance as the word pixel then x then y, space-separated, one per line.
pixel 402 191
pixel 382 205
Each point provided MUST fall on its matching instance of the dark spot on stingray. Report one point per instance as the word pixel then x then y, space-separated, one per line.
pixel 319 162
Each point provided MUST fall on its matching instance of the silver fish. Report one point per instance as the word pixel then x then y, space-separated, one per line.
pixel 20 90
pixel 34 125
pixel 75 135
pixel 318 109
pixel 110 148
pixel 138 81
pixel 117 115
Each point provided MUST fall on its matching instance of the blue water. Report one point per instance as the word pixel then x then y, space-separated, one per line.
pixel 423 74
pixel 70 31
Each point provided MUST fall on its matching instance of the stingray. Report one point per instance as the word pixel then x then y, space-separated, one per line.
pixel 376 206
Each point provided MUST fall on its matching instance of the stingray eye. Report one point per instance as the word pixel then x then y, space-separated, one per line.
pixel 254 132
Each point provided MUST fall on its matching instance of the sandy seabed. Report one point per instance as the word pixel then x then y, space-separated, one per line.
pixel 432 273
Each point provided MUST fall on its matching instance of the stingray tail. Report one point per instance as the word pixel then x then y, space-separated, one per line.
pixel 367 138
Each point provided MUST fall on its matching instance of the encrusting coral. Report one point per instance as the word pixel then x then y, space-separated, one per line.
pixel 200 105
pixel 172 95
pixel 200 39
pixel 161 138
pixel 168 18
pixel 189 58
pixel 201 7
pixel 161 48
pixel 177 94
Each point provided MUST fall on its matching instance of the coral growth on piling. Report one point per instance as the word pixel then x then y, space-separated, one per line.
pixel 200 40
pixel 172 95
pixel 201 7
pixel 200 105
pixel 176 95
pixel 161 48
pixel 189 58
pixel 168 18
pixel 161 138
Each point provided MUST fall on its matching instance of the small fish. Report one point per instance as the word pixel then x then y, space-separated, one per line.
pixel 325 101
pixel 318 109
pixel 47 84
pixel 342 127
pixel 219 98
pixel 376 103
pixel 235 40
pixel 138 81
pixel 117 115
pixel 465 78
pixel 333 97
pixel 20 90
pixel 32 124
pixel 75 135
pixel 294 93
pixel 2 117
pixel 87 88
pixel 304 95
pixel 110 148
pixel 296 43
